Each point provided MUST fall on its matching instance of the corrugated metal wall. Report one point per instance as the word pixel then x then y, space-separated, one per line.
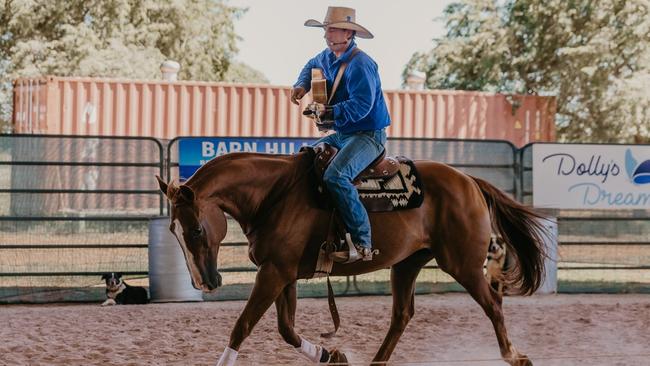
pixel 112 107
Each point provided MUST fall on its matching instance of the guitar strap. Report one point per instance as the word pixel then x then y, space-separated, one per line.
pixel 339 75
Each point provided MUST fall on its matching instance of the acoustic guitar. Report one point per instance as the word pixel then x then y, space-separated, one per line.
pixel 318 86
pixel 319 83
pixel 319 98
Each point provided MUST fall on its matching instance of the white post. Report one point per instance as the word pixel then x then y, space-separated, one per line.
pixel 549 285
pixel 170 70
pixel 415 80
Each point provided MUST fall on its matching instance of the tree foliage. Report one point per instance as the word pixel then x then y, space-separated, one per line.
pixel 592 55
pixel 240 72
pixel 119 38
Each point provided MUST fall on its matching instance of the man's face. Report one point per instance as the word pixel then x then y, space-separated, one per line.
pixel 337 38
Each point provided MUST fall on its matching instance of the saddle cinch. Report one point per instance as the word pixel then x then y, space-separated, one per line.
pixel 387 184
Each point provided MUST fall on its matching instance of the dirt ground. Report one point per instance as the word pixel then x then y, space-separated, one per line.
pixel 448 329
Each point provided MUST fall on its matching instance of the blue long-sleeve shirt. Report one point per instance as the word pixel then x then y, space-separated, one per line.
pixel 358 102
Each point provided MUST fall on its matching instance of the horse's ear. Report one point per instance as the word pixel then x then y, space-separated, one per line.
pixel 163 185
pixel 187 193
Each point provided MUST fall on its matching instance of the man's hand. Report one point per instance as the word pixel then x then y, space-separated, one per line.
pixel 313 110
pixel 322 114
pixel 319 111
pixel 296 94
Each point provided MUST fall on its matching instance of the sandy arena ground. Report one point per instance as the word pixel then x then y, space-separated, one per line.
pixel 448 329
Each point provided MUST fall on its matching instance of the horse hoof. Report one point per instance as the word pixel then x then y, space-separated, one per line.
pixel 337 357
pixel 523 361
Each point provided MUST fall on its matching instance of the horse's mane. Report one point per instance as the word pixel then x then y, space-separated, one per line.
pixel 224 162
pixel 226 159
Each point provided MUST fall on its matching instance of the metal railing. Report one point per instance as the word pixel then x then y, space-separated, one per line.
pixel 76 200
pixel 590 242
pixel 89 186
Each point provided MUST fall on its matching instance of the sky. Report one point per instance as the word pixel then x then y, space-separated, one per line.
pixel 275 41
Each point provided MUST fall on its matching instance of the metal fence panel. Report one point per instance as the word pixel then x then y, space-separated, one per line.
pixel 599 250
pixel 494 161
pixel 491 160
pixel 73 208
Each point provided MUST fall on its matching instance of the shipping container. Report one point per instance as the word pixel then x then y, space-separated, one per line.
pixel 162 109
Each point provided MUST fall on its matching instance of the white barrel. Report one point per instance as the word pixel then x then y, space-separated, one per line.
pixel 169 279
pixel 549 285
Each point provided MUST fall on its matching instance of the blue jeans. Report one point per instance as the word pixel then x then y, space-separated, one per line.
pixel 356 151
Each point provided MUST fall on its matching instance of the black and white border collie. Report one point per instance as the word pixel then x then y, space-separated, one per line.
pixel 118 292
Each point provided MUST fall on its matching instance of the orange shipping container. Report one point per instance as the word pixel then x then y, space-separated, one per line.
pixel 162 109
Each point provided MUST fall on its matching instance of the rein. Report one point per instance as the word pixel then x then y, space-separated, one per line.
pixel 334 312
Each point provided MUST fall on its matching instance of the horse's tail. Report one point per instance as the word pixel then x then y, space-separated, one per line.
pixel 522 230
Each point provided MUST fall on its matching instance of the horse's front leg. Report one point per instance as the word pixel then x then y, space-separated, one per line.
pixel 269 283
pixel 286 307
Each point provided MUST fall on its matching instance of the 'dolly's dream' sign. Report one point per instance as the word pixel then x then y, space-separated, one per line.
pixel 573 176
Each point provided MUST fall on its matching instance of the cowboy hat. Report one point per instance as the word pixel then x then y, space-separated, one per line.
pixel 340 17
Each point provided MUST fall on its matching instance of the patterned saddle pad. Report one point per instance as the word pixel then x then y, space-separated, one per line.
pixel 401 191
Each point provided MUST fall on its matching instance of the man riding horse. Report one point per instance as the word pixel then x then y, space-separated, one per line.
pixel 272 198
pixel 356 110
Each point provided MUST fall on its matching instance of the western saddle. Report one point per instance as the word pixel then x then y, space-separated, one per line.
pixel 382 167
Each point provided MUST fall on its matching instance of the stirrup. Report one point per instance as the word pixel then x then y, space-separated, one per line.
pixel 354 252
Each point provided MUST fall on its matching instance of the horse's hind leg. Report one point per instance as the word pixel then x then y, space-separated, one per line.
pixel 475 283
pixel 286 308
pixel 402 279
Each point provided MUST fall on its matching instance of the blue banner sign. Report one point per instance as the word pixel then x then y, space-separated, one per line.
pixel 196 151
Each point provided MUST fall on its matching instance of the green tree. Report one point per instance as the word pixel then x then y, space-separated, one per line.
pixel 118 38
pixel 589 54
pixel 242 73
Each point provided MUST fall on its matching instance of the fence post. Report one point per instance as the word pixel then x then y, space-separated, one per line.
pixel 550 236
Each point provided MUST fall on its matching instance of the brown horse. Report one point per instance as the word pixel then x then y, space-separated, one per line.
pixel 271 198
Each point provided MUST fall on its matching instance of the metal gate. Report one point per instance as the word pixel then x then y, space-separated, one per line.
pixel 72 208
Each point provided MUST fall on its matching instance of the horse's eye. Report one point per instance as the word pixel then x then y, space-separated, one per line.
pixel 197 232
